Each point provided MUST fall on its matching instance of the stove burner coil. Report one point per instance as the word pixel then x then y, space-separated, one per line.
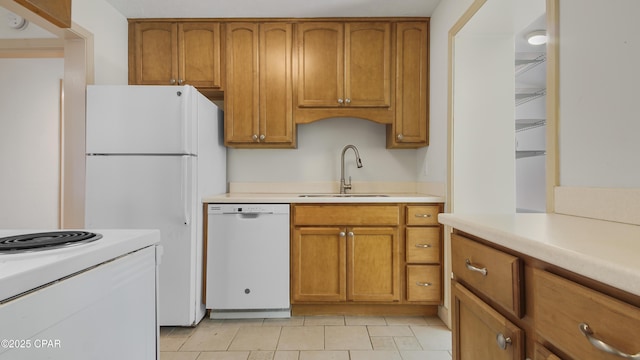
pixel 45 240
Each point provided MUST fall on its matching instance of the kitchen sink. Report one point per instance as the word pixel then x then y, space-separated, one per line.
pixel 343 195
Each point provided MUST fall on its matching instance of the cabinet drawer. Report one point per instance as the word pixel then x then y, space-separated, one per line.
pixel 561 306
pixel 493 273
pixel 480 332
pixel 423 283
pixel 346 215
pixel 423 245
pixel 423 215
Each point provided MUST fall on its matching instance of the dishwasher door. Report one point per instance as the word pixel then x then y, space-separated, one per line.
pixel 248 261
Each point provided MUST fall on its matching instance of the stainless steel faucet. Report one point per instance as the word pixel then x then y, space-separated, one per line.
pixel 344 186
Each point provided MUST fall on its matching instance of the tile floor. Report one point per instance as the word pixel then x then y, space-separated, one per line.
pixel 310 338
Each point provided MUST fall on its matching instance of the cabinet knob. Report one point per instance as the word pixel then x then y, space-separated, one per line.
pixel 262 137
pixel 180 82
pixel 172 82
pixel 255 137
pixel 342 234
pixel 350 233
pixel 348 101
pixel 425 284
pixel 503 341
pixel 400 137
pixel 340 101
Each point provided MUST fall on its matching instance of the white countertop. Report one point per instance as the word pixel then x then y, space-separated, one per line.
pixel 601 250
pixel 21 272
pixel 267 198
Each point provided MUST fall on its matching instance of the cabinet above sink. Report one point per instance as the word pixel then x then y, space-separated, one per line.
pixel 293 71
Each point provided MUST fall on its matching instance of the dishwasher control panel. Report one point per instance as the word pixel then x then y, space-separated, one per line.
pixel 248 208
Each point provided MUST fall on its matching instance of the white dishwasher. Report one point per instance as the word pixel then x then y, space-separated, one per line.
pixel 248 261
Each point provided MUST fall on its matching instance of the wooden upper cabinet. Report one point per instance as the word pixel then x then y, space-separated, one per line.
pixel 199 54
pixel 368 64
pixel 57 12
pixel 320 64
pixel 155 53
pixel 258 101
pixel 344 64
pixel 242 83
pixel 169 53
pixel 276 93
pixel 411 126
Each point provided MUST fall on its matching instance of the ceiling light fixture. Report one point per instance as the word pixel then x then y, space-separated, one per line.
pixel 538 37
pixel 17 22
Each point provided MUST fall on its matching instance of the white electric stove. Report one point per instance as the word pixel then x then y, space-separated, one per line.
pixel 94 297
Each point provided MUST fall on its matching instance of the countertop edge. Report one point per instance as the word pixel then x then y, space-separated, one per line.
pixel 295 198
pixel 547 237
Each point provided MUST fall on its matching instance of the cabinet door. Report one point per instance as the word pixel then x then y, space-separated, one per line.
pixel 320 64
pixel 199 54
pixel 276 105
pixel 318 264
pixel 242 85
pixel 480 332
pixel 372 264
pixel 541 353
pixel 410 128
pixel 156 53
pixel 368 64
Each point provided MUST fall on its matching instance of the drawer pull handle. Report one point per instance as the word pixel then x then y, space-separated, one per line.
pixel 423 215
pixel 425 284
pixel 503 341
pixel 603 346
pixel 469 266
pixel 423 246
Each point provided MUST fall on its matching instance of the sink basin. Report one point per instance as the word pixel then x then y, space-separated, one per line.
pixel 343 195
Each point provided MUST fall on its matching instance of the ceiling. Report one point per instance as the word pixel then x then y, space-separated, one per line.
pixel 272 8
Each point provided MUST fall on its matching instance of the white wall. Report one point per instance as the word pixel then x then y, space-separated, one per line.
pixel 110 39
pixel 599 78
pixel 29 142
pixel 483 149
pixel 317 157
pixel 432 161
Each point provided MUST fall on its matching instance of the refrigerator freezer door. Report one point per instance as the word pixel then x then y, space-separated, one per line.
pixel 123 119
pixel 152 192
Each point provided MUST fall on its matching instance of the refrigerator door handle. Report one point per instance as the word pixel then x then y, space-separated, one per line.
pixel 186 173
pixel 185 127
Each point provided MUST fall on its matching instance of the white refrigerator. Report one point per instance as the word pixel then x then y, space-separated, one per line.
pixel 153 152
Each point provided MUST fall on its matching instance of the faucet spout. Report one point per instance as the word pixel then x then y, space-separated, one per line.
pixel 344 186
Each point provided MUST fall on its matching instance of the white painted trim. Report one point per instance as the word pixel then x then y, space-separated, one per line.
pixel 619 204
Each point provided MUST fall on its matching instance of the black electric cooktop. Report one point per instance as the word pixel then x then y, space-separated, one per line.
pixel 46 240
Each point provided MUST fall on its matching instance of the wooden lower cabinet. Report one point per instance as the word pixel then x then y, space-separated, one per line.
pixel 542 353
pixel 318 264
pixel 372 264
pixel 480 332
pixel 564 316
pixel 583 323
pixel 345 264
pixel 354 259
